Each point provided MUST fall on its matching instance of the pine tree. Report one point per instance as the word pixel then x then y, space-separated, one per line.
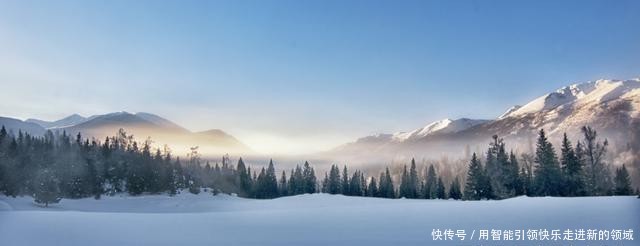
pixel 243 181
pixel 309 177
pixel 409 182
pixel 299 182
pixel 3 159
pixel 499 169
pixel 404 191
pixel 386 188
pixel 93 180
pixel 325 184
pixel 293 181
pixel 334 180
pixel 172 177
pixel 363 184
pixel 355 185
pixel 283 187
pixel 454 190
pixel 573 177
pixel 597 173
pixel 515 181
pixel 261 189
pixel 526 175
pixel 477 186
pixel 413 180
pixel 271 182
pixel 345 182
pixel 622 182
pixel 440 189
pixel 547 173
pixel 372 190
pixel 382 185
pixel 429 190
pixel 153 184
pixel 2 174
pixel 47 190
pixel 3 133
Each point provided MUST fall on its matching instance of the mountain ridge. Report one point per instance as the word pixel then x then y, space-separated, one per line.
pixel 70 120
pixel 610 106
pixel 142 125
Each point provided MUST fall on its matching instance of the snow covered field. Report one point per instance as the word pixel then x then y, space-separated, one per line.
pixel 317 219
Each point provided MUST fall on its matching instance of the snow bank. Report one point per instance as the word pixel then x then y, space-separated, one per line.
pixel 317 219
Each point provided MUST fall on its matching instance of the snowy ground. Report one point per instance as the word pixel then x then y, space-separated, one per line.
pixel 317 219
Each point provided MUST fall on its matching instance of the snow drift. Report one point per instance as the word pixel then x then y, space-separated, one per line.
pixel 317 219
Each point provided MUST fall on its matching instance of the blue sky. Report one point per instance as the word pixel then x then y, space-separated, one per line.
pixel 302 76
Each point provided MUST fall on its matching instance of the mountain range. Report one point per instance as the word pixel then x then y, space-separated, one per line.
pixel 141 125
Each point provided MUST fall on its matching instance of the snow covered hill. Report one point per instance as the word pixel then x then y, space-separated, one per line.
pixel 317 219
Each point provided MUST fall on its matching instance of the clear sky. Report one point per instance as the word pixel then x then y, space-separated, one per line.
pixel 302 76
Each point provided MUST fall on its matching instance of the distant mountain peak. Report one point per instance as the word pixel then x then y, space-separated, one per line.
pixel 74 116
pixel 438 127
pixel 61 123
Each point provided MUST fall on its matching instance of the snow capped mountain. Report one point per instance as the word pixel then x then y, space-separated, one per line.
pixel 70 120
pixel 577 95
pixel 438 127
pixel 612 107
pixel 380 146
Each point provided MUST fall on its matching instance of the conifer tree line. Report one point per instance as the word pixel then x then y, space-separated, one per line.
pixel 412 185
pixel 59 166
pixel 578 170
